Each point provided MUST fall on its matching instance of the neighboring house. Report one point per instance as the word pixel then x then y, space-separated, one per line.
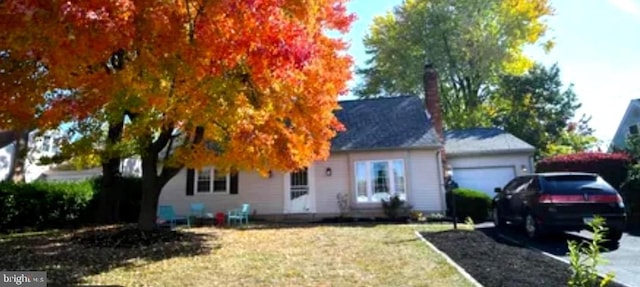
pixel 630 124
pixel 390 146
pixel 39 146
pixel 48 145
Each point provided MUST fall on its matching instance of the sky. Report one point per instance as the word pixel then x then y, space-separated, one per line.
pixel 597 49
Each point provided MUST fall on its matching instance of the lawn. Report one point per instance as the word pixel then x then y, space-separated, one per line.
pixel 261 255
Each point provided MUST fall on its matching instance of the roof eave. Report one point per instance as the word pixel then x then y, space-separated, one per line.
pixel 489 152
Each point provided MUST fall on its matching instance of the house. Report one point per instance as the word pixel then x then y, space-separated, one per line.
pixel 629 125
pixel 44 145
pixel 47 145
pixel 390 146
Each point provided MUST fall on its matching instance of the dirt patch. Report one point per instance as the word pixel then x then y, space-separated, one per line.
pixel 497 264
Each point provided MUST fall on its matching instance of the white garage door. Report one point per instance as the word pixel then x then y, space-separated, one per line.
pixel 483 179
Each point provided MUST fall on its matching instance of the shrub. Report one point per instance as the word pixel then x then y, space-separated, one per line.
pixel 470 203
pixel 584 260
pixel 395 208
pixel 43 204
pixel 630 192
pixel 612 167
pixel 63 204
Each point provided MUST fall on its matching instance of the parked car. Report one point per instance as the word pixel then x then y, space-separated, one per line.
pixel 561 201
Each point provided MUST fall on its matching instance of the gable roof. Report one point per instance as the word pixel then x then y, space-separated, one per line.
pixel 384 123
pixel 631 115
pixel 483 141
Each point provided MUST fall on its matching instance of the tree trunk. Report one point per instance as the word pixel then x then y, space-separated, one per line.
pixel 150 192
pixel 108 205
pixel 107 210
pixel 152 181
pixel 17 170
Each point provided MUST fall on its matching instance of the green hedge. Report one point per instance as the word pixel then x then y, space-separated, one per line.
pixel 470 203
pixel 62 204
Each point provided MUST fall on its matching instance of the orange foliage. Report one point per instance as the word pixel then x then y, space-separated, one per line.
pixel 261 76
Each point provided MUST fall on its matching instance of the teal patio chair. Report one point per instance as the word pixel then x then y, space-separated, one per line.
pixel 239 215
pixel 197 211
pixel 166 214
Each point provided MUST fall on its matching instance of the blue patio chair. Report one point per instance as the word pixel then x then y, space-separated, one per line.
pixel 239 215
pixel 197 211
pixel 166 214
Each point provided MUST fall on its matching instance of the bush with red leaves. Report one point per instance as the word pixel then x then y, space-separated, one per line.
pixel 612 167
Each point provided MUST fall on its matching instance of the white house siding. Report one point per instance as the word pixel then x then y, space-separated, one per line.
pixel 266 195
pixel 426 181
pixel 327 188
pixel 6 160
pixel 517 161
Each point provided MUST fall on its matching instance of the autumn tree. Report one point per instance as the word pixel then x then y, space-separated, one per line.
pixel 470 42
pixel 239 84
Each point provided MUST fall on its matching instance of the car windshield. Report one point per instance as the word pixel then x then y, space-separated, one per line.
pixel 575 184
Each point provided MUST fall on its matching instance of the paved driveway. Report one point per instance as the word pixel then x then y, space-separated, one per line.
pixel 623 259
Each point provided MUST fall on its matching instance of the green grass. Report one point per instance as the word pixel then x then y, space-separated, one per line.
pixel 268 255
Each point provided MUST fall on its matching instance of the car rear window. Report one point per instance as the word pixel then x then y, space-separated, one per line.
pixel 574 184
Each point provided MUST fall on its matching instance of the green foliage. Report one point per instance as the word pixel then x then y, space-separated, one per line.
pixel 468 221
pixel 470 203
pixel 62 204
pixel 630 192
pixel 43 204
pixel 534 108
pixel 395 208
pixel 584 260
pixel 469 42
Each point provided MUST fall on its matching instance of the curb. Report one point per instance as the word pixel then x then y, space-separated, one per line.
pixel 459 268
pixel 550 255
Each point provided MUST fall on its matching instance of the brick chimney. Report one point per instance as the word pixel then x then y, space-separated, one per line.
pixel 432 98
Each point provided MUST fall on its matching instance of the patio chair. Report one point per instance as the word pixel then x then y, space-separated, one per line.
pixel 197 211
pixel 240 215
pixel 166 214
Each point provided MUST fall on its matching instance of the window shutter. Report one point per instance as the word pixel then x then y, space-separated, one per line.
pixel 191 175
pixel 234 183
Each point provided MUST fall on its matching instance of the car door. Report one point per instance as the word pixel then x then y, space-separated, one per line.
pixel 519 197
pixel 505 196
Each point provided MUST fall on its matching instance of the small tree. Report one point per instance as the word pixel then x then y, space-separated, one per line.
pixel 395 208
pixel 584 260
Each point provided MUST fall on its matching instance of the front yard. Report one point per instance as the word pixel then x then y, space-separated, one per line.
pixel 267 255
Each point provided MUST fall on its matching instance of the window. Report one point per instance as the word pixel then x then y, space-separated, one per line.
pixel 211 180
pixel 633 129
pixel 377 180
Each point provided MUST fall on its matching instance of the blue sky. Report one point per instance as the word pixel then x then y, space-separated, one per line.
pixel 597 50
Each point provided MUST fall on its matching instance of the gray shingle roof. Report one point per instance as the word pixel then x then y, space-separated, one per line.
pixel 384 123
pixel 483 141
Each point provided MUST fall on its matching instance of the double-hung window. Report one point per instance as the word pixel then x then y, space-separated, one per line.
pixel 210 180
pixel 380 179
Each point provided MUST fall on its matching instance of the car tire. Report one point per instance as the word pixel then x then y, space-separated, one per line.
pixel 531 227
pixel 498 221
pixel 613 236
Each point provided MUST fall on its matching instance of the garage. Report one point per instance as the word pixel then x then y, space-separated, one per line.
pixel 484 179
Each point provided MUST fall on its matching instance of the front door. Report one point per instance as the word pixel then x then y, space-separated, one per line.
pixel 299 192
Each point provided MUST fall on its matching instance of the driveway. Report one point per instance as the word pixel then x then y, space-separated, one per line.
pixel 623 259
